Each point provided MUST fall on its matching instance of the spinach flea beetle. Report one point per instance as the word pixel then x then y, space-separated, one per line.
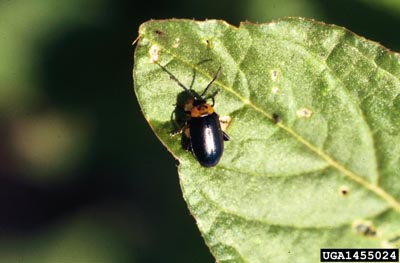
pixel 206 138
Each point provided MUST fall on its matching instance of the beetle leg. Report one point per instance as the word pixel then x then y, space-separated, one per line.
pixel 178 125
pixel 173 120
pixel 179 118
pixel 176 132
pixel 182 130
pixel 225 136
pixel 225 121
pixel 185 142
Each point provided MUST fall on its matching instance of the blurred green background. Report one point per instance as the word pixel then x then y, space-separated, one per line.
pixel 82 176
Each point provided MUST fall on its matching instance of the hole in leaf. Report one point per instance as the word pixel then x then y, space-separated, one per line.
pixel 344 191
pixel 304 113
pixel 154 53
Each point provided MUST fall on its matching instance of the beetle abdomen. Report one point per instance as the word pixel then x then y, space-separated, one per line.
pixel 206 139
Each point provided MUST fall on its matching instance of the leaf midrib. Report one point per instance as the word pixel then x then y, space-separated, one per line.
pixel 351 175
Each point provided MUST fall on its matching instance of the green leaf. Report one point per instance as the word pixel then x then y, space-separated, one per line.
pixel 326 175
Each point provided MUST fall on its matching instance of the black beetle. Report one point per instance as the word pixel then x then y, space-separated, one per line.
pixel 203 129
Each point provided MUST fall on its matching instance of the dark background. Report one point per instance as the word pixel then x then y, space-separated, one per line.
pixel 82 176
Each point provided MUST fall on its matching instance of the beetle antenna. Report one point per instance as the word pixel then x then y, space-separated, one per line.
pixel 194 71
pixel 177 81
pixel 211 82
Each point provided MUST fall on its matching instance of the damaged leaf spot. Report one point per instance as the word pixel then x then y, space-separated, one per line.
pixel 274 74
pixel 275 90
pixel 304 113
pixel 344 191
pixel 364 227
pixel 208 43
pixel 225 121
pixel 154 53
pixel 176 42
pixel 159 32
